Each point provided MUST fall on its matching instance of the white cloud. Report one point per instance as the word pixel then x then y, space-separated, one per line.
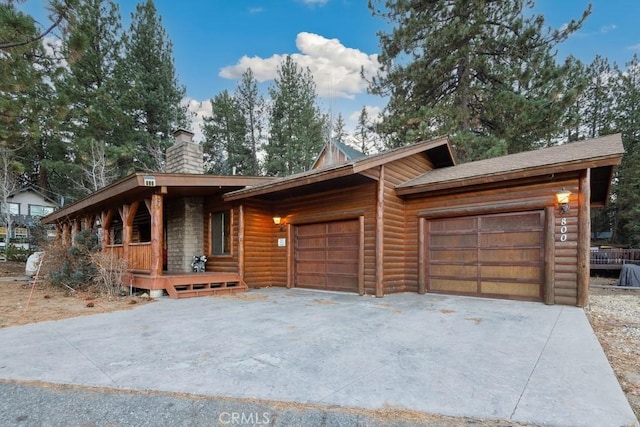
pixel 335 68
pixel 254 10
pixel 634 47
pixel 607 28
pixel 315 2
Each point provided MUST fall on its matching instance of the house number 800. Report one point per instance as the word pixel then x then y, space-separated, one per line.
pixel 563 229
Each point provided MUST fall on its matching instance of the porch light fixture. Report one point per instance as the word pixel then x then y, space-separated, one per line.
pixel 562 198
pixel 278 221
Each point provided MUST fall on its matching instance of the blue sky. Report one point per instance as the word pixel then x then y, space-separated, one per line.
pixel 214 41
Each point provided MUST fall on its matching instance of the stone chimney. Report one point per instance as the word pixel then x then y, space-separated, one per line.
pixel 184 156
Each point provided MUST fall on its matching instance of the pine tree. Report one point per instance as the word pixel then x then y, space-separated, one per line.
pixel 224 132
pixel 340 129
pixel 627 117
pixel 482 71
pixel 253 108
pixel 296 135
pixel 150 95
pixel 29 113
pixel 88 88
pixel 598 97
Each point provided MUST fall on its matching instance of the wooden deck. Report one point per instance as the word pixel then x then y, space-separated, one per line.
pixel 613 259
pixel 186 285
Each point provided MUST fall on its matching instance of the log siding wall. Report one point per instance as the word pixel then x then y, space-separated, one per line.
pixel 398 252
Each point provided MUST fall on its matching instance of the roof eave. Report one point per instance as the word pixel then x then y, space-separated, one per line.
pixel 611 160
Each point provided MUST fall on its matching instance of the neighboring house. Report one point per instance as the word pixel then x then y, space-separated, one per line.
pixel 405 220
pixel 336 152
pixel 26 206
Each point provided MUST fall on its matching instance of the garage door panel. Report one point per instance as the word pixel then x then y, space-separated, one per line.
pixel 531 290
pixel 347 255
pixel 311 230
pixel 454 270
pixel 455 224
pixel 510 272
pixel 311 242
pixel 511 222
pixel 513 239
pixel 311 254
pixel 314 281
pixel 454 240
pixel 464 255
pixel 312 267
pixel 343 241
pixel 450 285
pixel 342 268
pixel 502 255
pixel 341 227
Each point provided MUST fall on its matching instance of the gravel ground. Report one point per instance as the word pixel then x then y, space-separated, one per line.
pixel 614 313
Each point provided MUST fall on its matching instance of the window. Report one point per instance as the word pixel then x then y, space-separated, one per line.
pixel 14 208
pixel 37 210
pixel 221 233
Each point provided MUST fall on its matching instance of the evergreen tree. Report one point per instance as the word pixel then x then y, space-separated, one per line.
pixel 627 117
pixel 224 132
pixel 340 129
pixel 87 88
pixel 364 135
pixel 598 111
pixel 29 115
pixel 149 93
pixel 296 124
pixel 482 71
pixel 252 106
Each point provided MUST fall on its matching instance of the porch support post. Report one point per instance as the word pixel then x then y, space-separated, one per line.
pixel 584 238
pixel 105 223
pixel 380 235
pixel 422 255
pixel 156 234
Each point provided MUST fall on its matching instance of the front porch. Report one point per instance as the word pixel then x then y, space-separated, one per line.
pixel 186 285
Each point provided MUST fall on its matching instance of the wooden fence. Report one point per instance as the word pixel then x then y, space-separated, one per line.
pixel 613 258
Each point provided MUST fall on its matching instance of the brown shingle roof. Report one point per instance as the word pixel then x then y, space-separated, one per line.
pixel 605 150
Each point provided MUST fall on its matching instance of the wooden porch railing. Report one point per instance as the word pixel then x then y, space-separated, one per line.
pixel 614 258
pixel 139 255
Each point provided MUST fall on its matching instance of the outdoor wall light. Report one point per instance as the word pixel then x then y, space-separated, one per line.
pixel 278 221
pixel 563 200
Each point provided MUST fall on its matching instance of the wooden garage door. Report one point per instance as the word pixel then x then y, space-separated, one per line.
pixel 326 256
pixel 491 255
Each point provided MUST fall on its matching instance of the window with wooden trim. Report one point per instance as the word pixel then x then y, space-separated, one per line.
pixel 221 233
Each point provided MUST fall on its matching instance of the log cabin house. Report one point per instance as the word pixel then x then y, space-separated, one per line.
pixel 405 220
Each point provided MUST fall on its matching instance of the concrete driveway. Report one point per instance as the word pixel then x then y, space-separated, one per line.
pixel 518 361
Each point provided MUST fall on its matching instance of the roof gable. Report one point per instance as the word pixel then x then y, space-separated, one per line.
pixel 336 152
pixel 439 149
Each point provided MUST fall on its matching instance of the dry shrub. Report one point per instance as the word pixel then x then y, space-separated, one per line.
pixel 110 270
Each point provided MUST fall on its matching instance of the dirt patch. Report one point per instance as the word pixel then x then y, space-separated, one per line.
pixel 614 313
pixel 22 302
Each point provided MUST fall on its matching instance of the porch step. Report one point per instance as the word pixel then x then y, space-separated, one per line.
pixel 193 285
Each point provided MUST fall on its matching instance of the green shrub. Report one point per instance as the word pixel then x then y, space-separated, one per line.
pixel 15 253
